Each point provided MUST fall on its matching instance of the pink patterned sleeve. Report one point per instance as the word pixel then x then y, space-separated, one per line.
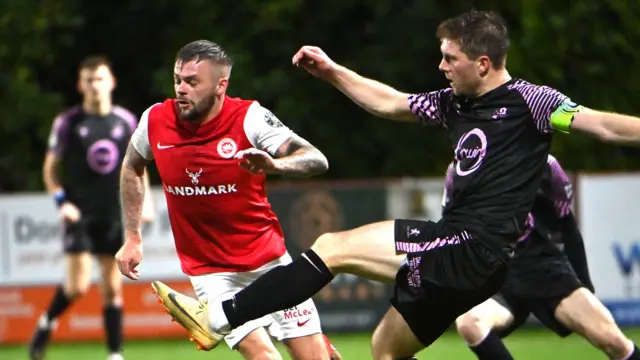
pixel 542 102
pixel 429 106
pixel 562 189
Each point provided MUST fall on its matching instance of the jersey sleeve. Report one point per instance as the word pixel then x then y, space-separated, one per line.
pixel 551 110
pixel 448 185
pixel 429 106
pixel 59 134
pixel 128 117
pixel 561 188
pixel 264 130
pixel 140 137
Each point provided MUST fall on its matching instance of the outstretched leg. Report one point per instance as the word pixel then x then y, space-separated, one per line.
pixel 367 251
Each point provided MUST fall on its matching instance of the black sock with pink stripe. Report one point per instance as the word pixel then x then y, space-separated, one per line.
pixel 281 288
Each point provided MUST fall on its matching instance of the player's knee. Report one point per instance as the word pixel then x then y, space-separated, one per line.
pixel 75 290
pixel 329 248
pixel 471 327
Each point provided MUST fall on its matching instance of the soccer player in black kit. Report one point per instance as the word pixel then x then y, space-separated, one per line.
pixel 87 143
pixel 544 280
pixel 500 130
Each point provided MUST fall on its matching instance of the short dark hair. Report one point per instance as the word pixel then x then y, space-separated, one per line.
pixel 479 33
pixel 204 50
pixel 92 62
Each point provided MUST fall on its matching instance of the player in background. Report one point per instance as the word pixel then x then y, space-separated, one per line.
pixel 87 145
pixel 213 153
pixel 500 130
pixel 543 280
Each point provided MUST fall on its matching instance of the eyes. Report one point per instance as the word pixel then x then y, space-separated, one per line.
pixel 190 80
pixel 448 58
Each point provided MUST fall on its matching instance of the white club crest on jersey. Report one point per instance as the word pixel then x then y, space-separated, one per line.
pixel 227 148
pixel 194 176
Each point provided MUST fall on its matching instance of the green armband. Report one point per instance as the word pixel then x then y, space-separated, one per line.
pixel 562 117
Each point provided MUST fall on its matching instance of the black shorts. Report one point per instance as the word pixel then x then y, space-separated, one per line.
pixel 447 272
pixel 94 236
pixel 536 285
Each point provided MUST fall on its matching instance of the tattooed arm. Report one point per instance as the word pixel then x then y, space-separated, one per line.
pixel 132 190
pixel 148 209
pixel 133 182
pixel 297 157
pixel 282 151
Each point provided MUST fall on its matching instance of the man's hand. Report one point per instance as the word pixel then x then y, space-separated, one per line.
pixel 70 213
pixel 129 256
pixel 315 61
pixel 256 161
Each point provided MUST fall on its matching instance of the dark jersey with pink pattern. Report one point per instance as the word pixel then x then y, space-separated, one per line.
pixel 91 149
pixel 551 205
pixel 500 142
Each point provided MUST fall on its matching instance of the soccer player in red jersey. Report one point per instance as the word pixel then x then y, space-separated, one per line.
pixel 213 152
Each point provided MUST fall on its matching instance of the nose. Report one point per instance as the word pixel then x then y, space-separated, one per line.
pixel 181 88
pixel 443 66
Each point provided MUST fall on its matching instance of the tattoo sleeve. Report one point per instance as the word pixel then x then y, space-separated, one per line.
pixel 297 157
pixel 132 189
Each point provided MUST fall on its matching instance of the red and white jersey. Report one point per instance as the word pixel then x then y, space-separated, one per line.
pixel 219 213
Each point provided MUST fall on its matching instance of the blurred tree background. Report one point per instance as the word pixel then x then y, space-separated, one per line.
pixel 586 49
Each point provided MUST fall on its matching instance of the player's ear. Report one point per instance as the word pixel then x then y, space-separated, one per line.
pixel 114 82
pixel 484 65
pixel 221 88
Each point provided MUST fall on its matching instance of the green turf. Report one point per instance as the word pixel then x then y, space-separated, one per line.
pixel 525 344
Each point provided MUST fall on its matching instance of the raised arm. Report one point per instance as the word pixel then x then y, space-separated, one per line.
pixel 376 98
pixel 606 126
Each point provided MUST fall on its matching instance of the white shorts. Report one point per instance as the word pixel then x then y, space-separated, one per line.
pixel 302 320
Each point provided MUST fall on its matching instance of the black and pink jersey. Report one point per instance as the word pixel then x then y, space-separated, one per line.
pixel 91 149
pixel 501 142
pixel 552 203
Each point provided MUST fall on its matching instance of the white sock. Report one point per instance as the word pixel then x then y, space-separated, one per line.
pixel 115 356
pixel 631 345
pixel 217 319
pixel 484 336
pixel 45 324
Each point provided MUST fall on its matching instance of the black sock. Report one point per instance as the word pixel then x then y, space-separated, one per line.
pixel 491 348
pixel 279 289
pixel 113 326
pixel 58 305
pixel 635 355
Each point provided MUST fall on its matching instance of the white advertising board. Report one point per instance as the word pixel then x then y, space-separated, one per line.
pixel 609 213
pixel 31 237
